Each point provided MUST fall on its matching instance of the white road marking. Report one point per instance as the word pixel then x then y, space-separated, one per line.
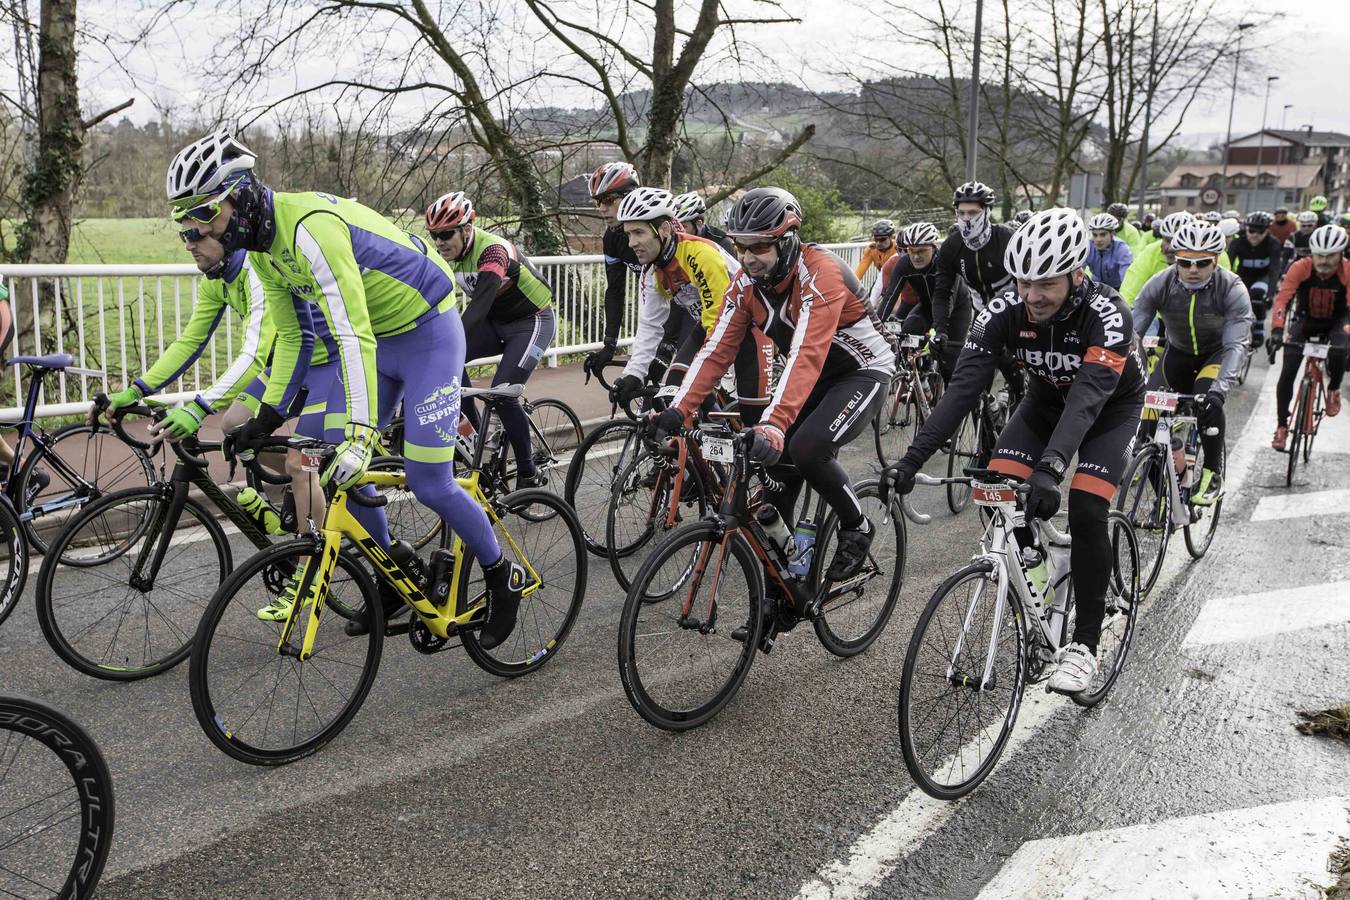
pixel 1333 436
pixel 1252 616
pixel 1280 850
pixel 1294 506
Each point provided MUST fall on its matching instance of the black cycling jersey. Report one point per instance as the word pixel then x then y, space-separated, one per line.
pixel 923 283
pixel 1300 240
pixel 981 269
pixel 718 236
pixel 619 260
pixel 1257 262
pixel 1081 361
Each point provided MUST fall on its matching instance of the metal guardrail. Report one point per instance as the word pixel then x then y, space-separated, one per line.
pixel 117 319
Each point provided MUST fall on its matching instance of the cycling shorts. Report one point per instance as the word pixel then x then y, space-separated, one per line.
pixel 321 403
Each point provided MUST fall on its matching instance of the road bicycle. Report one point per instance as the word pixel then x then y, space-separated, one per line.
pixel 1309 403
pixel 973 444
pixel 55 473
pixel 272 692
pixel 1157 494
pixel 700 607
pixel 56 804
pixel 913 392
pixel 990 630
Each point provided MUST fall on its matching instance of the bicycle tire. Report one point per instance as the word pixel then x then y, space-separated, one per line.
pixel 530 648
pixel 13 558
pixel 1196 544
pixel 407 518
pixel 95 522
pixel 1296 432
pixel 588 483
pixel 913 753
pixel 1147 461
pixel 91 791
pixel 1245 368
pixel 625 556
pixel 1121 612
pixel 964 453
pixel 222 730
pixel 136 470
pixel 827 623
pixel 562 430
pixel 1315 412
pixel 896 423
pixel 636 607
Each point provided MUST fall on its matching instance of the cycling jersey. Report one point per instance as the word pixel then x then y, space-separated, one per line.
pixel 369 278
pixel 1282 230
pixel 498 282
pixel 916 289
pixel 1217 317
pixel 1080 364
pixel 1312 295
pixel 1147 264
pixel 982 269
pixel 1257 263
pixel 718 237
pixel 1109 266
pixel 1131 236
pixel 873 256
pixel 619 261
pixel 815 317
pixel 693 273
pixel 1300 240
pixel 239 290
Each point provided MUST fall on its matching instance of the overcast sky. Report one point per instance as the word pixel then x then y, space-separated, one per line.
pixel 1312 37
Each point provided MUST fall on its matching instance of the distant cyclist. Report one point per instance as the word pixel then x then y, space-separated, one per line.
pixel 608 185
pixel 1281 226
pixel 1258 258
pixel 881 249
pixel 1109 256
pixel 1318 205
pixel 692 213
pixel 1157 257
pixel 906 293
pixel 1126 232
pixel 1307 224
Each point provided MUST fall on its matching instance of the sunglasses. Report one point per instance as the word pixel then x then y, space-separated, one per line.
pixel 757 249
pixel 444 235
pixel 207 211
pixel 1184 263
pixel 1256 231
pixel 191 235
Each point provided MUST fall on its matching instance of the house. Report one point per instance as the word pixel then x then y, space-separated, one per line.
pixel 1198 186
pixel 1276 149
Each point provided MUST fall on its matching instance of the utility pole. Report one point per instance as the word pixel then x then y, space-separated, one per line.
pixel 1261 140
pixel 1148 109
pixel 1232 101
pixel 973 123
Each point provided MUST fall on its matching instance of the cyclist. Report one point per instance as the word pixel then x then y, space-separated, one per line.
pixel 1318 205
pixel 1343 220
pixel 838 363
pixel 1084 397
pixel 1312 301
pixel 509 311
pixel 683 276
pixel 692 214
pixel 389 304
pixel 608 185
pixel 1307 224
pixel 1257 257
pixel 1109 256
pixel 904 293
pixel 1213 217
pixel 1281 226
pixel 1208 318
pixel 1157 257
pixel 1126 231
pixel 881 249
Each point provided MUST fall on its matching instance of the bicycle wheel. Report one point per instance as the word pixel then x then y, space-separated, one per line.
pixel 1204 520
pixel 555 434
pixel 897 422
pixel 1123 593
pixel 963 454
pixel 408 519
pixel 1245 368
pixel 265 707
pixel 1296 421
pixel 1144 499
pixel 640 507
pixel 56 804
pixel 1315 413
pixel 125 618
pixel 81 462
pixel 848 624
pixel 591 474
pixel 537 529
pixel 679 663
pixel 13 559
pixel 954 725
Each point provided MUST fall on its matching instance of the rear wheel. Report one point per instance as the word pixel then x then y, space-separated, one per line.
pixel 555 434
pixel 591 474
pixel 1296 421
pixel 13 559
pixel 1123 593
pixel 408 519
pixel 964 453
pixel 850 622
pixel 1146 502
pixel 1317 394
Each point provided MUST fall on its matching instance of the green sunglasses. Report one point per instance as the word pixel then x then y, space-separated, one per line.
pixel 201 209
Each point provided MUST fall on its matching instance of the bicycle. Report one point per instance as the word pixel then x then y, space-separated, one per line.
pixel 973 444
pixel 596 464
pixel 728 554
pixel 988 631
pixel 1155 495
pixel 269 693
pixel 57 810
pixel 69 467
pixel 913 392
pixel 131 572
pixel 1309 403
pixel 13 558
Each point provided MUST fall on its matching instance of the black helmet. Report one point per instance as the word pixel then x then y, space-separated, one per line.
pixel 768 214
pixel 1119 210
pixel 883 228
pixel 1021 216
pixel 973 192
pixel 1259 220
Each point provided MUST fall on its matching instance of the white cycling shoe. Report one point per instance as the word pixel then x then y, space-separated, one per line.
pixel 1074 668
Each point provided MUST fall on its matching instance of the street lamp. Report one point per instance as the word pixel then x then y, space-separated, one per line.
pixel 1261 141
pixel 973 123
pixel 1279 157
pixel 1232 100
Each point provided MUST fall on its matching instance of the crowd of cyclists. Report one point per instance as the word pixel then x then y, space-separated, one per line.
pixel 350 320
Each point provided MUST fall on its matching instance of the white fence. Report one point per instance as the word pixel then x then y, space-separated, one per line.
pixel 118 319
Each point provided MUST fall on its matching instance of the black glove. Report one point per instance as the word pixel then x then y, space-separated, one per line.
pixel 629 387
pixel 1273 343
pixel 252 433
pixel 668 421
pixel 596 360
pixel 657 370
pixel 1043 501
pixel 898 479
pixel 938 342
pixel 766 444
pixel 1212 405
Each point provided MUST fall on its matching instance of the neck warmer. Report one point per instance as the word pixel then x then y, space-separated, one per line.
pixel 975 233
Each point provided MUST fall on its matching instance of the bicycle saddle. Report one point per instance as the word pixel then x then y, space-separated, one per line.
pixel 51 361
pixel 500 392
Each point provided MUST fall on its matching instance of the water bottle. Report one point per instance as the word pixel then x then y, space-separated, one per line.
pixel 1038 574
pixel 406 556
pixel 773 526
pixel 804 548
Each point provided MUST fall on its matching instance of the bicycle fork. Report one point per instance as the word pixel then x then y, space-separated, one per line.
pixel 311 593
pixel 709 622
pixel 954 675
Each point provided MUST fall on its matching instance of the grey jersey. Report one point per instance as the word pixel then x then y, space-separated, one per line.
pixel 1201 323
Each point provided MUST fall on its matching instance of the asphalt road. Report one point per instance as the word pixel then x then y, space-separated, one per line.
pixel 450 782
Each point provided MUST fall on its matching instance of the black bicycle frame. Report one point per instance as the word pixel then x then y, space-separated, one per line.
pixel 26 434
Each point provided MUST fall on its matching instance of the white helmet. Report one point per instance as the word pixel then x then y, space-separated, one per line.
pixel 1307 217
pixel 1230 227
pixel 647 204
pixel 206 167
pixel 1213 217
pixel 1198 237
pixel 1104 221
pixel 1172 222
pixel 1327 240
pixel 918 234
pixel 689 207
pixel 1052 242
pixel 1232 214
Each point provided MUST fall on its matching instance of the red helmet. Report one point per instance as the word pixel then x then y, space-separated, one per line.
pixel 450 211
pixel 613 178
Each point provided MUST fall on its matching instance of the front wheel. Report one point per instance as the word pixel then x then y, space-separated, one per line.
pixel 1204 520
pixel 1123 593
pixel 1296 423
pixel 13 559
pixel 591 474
pixel 1145 500
pixel 898 420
